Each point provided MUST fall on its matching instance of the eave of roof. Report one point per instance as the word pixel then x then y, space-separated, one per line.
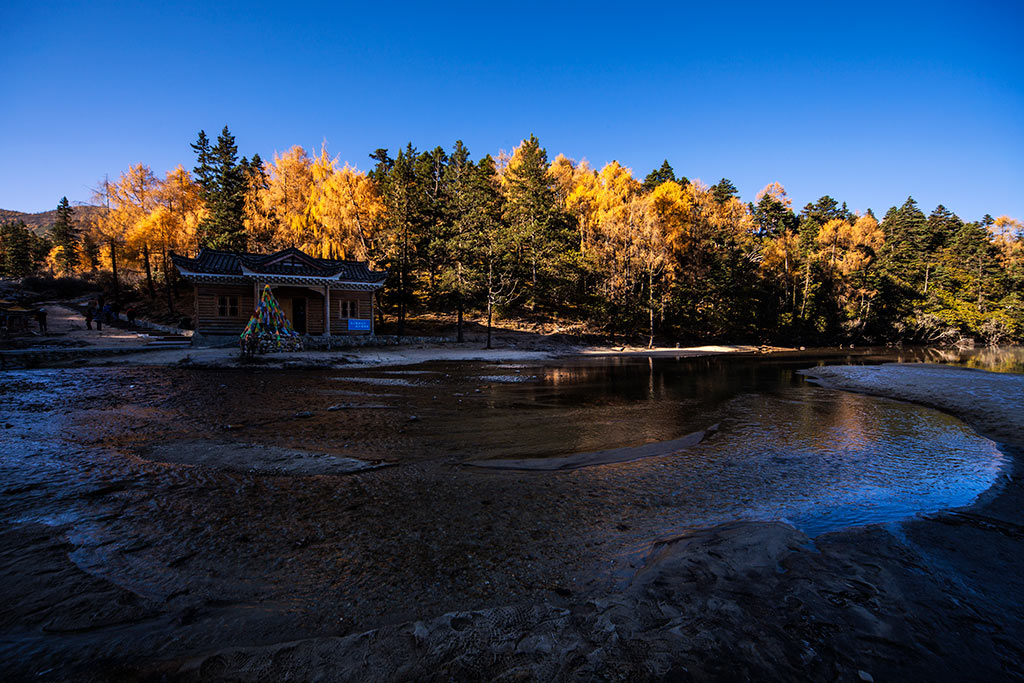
pixel 265 266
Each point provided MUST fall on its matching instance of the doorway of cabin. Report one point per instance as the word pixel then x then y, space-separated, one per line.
pixel 299 315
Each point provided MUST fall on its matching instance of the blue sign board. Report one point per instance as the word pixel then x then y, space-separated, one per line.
pixel 358 325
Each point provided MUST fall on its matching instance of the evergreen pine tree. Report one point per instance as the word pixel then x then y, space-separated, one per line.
pixel 429 169
pixel 772 217
pixel 16 250
pixel 723 190
pixel 492 245
pixel 906 238
pixel 942 225
pixel 228 210
pixel 65 235
pixel 530 212
pixel 90 252
pixel 396 181
pixel 660 175
pixel 224 182
pixel 203 170
pixel 449 245
pixel 380 171
pixel 824 210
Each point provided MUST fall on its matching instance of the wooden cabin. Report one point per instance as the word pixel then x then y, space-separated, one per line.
pixel 319 296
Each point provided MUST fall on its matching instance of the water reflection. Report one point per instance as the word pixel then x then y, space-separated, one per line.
pixel 991 358
pixel 819 458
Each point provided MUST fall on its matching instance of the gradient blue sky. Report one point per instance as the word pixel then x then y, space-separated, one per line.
pixel 868 102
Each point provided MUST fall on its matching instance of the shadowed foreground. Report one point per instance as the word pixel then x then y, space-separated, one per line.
pixel 159 571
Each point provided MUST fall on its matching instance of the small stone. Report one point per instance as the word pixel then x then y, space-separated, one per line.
pixel 865 676
pixel 334 408
pixel 303 413
pixel 413 418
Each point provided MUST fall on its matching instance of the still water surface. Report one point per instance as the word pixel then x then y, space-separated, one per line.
pixel 784 449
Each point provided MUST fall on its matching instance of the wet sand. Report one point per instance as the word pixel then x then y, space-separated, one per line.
pixel 430 570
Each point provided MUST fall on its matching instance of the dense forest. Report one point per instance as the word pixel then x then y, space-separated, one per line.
pixel 519 234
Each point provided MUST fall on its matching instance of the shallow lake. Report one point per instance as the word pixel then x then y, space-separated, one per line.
pixel 431 532
pixel 783 450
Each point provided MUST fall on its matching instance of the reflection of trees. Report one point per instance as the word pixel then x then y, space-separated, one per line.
pixel 992 358
pixel 997 359
pixel 627 401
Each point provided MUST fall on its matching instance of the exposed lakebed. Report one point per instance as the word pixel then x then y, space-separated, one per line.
pixel 267 557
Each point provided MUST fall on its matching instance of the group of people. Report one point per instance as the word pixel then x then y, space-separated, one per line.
pixel 100 311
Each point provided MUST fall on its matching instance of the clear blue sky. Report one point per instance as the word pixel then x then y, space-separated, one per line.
pixel 868 102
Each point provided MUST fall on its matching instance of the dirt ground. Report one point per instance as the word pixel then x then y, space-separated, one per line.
pixel 118 562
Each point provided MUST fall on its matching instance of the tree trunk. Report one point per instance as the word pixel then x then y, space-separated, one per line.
pixel 458 327
pixel 402 283
pixel 650 307
pixel 533 264
pixel 490 305
pixel 979 281
pixel 113 268
pixel 149 272
pixel 807 285
pixel 490 300
pixel 458 304
pixel 167 283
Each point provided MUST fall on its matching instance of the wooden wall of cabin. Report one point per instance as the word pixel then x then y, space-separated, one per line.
pixel 209 319
pixel 211 322
pixel 364 303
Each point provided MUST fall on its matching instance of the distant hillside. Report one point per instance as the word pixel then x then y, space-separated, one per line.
pixel 40 223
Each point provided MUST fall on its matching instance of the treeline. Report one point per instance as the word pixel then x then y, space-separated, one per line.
pixel 519 233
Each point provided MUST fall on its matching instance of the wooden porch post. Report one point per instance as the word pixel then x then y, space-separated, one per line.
pixel 195 324
pixel 373 301
pixel 327 309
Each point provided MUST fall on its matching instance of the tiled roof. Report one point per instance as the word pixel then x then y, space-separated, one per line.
pixel 289 261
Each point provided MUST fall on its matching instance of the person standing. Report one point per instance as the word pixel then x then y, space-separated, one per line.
pixel 130 314
pixel 90 313
pixel 41 319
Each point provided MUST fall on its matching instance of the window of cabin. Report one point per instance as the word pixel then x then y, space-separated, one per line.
pixel 349 309
pixel 227 306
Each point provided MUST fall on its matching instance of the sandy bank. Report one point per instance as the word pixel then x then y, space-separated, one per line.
pixel 388 355
pixel 256 458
